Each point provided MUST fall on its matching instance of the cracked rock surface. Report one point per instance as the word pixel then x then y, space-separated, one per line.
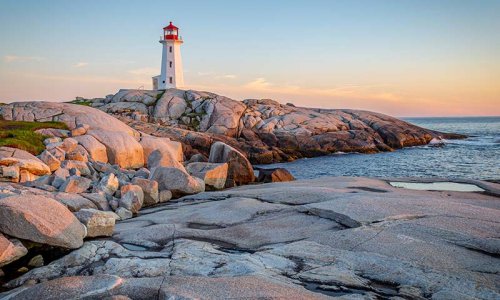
pixel 351 238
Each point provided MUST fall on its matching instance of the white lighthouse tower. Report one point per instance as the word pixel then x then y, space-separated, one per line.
pixel 172 75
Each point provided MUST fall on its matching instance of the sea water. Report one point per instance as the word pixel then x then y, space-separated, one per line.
pixel 477 157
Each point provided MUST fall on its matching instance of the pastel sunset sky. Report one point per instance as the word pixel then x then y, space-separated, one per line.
pixel 404 58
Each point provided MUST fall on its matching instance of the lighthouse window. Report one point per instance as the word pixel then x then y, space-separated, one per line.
pixel 170 49
pixel 170 64
pixel 170 79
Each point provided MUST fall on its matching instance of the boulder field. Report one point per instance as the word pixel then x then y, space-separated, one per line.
pixel 339 237
pixel 97 172
pixel 116 206
pixel 264 130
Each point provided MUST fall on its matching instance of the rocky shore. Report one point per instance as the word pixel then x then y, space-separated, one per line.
pixel 115 204
pixel 264 130
pixel 351 238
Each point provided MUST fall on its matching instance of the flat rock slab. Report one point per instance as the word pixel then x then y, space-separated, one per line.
pixel 329 237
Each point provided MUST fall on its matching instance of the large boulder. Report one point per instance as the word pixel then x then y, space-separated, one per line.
pixel 177 181
pixel 40 219
pixel 122 149
pixel 214 175
pixel 151 144
pixel 239 168
pixel 96 150
pixel 71 114
pixel 10 250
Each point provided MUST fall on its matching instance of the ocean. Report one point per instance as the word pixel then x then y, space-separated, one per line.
pixel 477 157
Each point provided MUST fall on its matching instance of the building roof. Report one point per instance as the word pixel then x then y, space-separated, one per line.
pixel 170 27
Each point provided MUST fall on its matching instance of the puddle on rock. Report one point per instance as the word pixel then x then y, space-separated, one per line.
pixel 438 186
pixel 133 247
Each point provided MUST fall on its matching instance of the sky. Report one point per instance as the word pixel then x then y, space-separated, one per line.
pixel 403 58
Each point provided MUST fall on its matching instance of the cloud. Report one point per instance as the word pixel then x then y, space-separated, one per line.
pixel 216 76
pixel 15 58
pixel 259 84
pixel 144 72
pixel 227 76
pixel 80 64
pixel 374 92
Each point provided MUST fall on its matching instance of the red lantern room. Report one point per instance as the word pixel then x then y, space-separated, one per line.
pixel 171 32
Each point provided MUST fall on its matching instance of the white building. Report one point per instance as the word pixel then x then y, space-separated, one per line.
pixel 172 75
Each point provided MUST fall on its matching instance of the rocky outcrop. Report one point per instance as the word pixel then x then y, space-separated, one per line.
pixel 353 238
pixel 71 114
pixel 265 130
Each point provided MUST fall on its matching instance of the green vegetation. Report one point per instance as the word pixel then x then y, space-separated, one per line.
pixel 22 135
pixel 81 102
pixel 158 96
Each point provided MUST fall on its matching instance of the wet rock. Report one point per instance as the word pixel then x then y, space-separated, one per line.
pixel 40 219
pixel 274 175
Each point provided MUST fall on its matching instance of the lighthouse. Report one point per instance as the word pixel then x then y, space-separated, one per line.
pixel 171 62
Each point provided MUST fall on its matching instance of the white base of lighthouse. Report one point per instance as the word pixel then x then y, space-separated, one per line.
pixel 171 75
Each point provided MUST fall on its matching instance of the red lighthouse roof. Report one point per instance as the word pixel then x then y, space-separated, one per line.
pixel 171 32
pixel 170 27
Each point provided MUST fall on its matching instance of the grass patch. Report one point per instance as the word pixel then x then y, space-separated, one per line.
pixel 81 102
pixel 22 135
